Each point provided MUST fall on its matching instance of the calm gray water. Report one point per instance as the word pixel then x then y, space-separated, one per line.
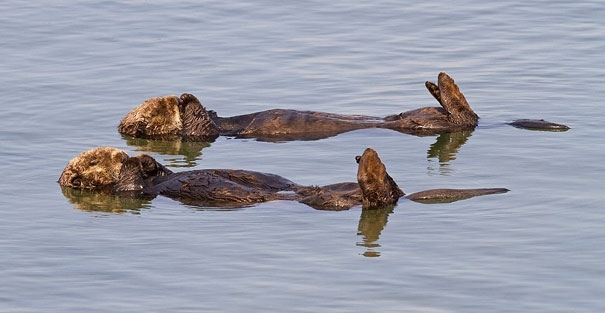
pixel 69 71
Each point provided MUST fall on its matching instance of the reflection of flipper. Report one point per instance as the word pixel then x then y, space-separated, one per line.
pixel 371 224
pixel 447 145
pixel 452 100
pixel 451 195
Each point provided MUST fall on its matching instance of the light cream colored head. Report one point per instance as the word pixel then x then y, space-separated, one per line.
pixel 93 169
pixel 154 117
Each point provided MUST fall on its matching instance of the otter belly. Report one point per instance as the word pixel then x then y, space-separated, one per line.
pixel 222 187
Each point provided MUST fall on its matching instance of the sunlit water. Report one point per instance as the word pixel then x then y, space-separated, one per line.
pixel 70 71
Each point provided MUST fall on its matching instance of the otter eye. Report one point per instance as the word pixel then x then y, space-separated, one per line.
pixel 76 181
pixel 357 159
pixel 94 162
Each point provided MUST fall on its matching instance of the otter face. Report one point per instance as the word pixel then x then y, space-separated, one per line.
pixel 154 117
pixel 93 169
pixel 378 189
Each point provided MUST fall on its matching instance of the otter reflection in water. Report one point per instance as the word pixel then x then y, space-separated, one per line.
pixel 182 153
pixel 187 153
pixel 173 117
pixel 112 171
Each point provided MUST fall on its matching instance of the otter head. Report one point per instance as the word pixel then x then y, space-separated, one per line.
pixel 94 169
pixel 153 118
pixel 108 168
pixel 378 189
pixel 170 116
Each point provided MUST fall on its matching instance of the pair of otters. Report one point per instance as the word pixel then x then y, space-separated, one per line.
pixel 112 170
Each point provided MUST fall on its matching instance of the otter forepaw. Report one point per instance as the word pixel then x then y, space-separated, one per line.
pixel 187 97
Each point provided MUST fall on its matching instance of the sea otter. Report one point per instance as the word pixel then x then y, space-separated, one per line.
pixel 185 117
pixel 112 170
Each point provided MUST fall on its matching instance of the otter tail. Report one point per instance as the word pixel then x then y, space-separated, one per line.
pixel 451 195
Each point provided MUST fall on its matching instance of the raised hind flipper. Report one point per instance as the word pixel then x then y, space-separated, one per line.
pixel 434 90
pixel 453 101
pixel 378 189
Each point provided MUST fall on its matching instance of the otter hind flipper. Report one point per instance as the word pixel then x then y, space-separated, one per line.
pixel 454 102
pixel 434 90
pixel 378 189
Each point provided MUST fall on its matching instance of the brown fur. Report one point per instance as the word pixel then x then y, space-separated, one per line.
pixel 157 116
pixel 453 101
pixel 378 188
pixel 192 122
pixel 188 119
pixel 110 169
pixel 93 169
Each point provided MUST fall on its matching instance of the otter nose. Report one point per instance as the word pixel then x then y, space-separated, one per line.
pixel 357 158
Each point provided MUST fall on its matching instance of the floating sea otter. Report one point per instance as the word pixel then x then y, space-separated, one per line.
pixel 185 117
pixel 112 170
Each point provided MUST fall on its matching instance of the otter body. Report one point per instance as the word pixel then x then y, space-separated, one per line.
pixel 185 117
pixel 286 124
pixel 143 176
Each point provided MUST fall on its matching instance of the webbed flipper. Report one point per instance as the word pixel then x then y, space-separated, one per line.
pixel 378 189
pixel 453 101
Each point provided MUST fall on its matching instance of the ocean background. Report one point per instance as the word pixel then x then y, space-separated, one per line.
pixel 70 70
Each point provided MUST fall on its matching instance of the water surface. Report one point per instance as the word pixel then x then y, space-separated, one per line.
pixel 70 71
